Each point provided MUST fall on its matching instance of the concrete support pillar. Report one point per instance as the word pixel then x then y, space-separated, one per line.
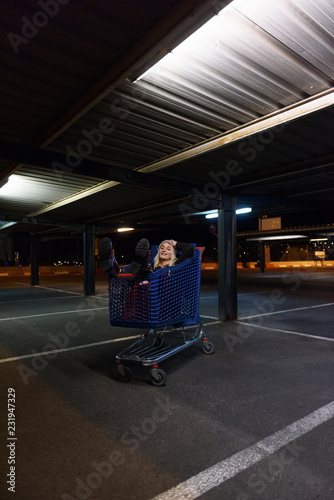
pixel 227 259
pixel 89 259
pixel 262 257
pixel 34 258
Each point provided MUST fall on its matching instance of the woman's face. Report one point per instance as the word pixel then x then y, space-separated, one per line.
pixel 165 252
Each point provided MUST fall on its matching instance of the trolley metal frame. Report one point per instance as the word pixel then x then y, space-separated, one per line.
pixel 166 302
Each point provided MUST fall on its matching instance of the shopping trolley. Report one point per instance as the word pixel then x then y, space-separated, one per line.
pixel 167 303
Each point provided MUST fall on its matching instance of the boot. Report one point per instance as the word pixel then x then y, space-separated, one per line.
pixel 108 262
pixel 140 263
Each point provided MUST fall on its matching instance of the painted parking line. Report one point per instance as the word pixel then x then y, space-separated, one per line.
pixel 83 346
pixel 318 337
pixel 53 313
pixel 226 469
pixel 59 290
pixel 288 310
pixel 239 294
pixel 213 323
pixel 66 349
pixel 70 312
pixel 8 302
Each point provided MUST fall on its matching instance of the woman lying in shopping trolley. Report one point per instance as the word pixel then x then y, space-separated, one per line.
pixel 156 292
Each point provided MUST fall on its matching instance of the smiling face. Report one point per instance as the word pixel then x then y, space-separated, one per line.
pixel 165 253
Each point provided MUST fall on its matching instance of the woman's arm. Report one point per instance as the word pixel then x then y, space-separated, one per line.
pixel 186 248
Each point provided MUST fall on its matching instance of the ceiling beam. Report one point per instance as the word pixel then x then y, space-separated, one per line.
pixel 281 117
pixel 91 168
pixel 18 219
pixel 314 166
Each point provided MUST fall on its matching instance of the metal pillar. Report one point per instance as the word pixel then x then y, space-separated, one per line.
pixel 89 259
pixel 262 257
pixel 227 259
pixel 34 260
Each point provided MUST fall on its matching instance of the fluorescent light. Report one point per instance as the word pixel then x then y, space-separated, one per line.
pixel 190 45
pixel 153 68
pixel 245 210
pixel 15 187
pixel 319 239
pixel 124 229
pixel 283 237
pixel 213 214
pixel 4 225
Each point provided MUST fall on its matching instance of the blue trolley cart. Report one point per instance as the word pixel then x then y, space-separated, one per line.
pixel 167 304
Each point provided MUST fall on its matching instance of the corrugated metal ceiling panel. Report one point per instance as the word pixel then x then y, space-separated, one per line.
pixel 259 156
pixel 311 28
pixel 36 187
pixel 114 204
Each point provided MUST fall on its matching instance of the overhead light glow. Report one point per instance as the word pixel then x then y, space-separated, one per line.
pixel 283 237
pixel 16 186
pixel 319 239
pixel 191 44
pixel 124 229
pixel 4 225
pixel 245 210
pixel 154 68
pixel 214 213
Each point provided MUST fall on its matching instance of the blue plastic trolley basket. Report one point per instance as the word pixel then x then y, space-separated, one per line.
pixel 167 304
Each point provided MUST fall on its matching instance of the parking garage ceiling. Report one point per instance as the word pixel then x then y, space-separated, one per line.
pixel 243 107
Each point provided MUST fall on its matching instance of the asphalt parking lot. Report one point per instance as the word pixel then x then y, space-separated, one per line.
pixel 252 421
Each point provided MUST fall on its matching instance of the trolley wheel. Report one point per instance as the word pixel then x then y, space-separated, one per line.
pixel 159 378
pixel 208 348
pixel 125 375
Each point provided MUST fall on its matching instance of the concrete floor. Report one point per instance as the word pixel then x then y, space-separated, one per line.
pixel 252 421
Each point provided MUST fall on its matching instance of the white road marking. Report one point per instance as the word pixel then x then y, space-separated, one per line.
pixel 36 300
pixel 286 331
pixel 53 313
pixel 230 467
pixel 239 294
pixel 288 310
pixel 84 346
pixel 58 290
pixel 74 348
pixel 212 323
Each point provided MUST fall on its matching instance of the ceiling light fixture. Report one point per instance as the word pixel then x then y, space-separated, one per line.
pixel 124 229
pixel 213 214
pixel 15 186
pixel 153 68
pixel 193 41
pixel 282 237
pixel 4 225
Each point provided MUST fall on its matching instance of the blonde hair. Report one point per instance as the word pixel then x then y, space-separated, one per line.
pixel 157 264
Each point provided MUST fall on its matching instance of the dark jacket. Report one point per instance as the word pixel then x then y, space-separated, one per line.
pixel 187 251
